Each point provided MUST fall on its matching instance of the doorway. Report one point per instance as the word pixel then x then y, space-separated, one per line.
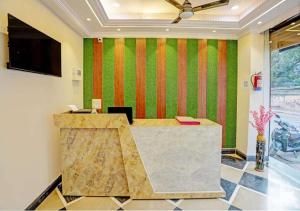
pixel 285 97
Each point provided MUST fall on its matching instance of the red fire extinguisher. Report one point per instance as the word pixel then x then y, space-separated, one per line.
pixel 256 80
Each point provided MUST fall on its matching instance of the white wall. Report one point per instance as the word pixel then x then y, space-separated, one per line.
pixel 29 146
pixel 250 60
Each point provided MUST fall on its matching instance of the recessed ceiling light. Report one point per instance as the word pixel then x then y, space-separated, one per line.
pixel 214 31
pixel 88 19
pixel 118 29
pixel 298 34
pixel 116 4
pixel 167 30
pixel 293 23
pixel 235 7
pixel 259 22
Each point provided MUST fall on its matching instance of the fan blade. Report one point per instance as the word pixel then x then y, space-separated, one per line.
pixel 175 3
pixel 176 20
pixel 211 5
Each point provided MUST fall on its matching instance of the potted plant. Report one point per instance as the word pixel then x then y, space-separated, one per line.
pixel 261 118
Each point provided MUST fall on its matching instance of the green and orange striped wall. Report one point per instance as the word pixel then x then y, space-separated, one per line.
pixel 162 78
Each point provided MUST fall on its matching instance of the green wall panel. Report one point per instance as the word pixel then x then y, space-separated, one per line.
pixel 108 73
pixel 231 99
pixel 130 74
pixel 171 78
pixel 212 79
pixel 151 106
pixel 88 59
pixel 192 78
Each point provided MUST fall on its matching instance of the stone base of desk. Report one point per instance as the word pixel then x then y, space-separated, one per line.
pixel 100 158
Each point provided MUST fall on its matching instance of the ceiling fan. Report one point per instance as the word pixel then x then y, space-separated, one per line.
pixel 187 11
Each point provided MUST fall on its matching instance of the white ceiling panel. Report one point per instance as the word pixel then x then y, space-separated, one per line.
pixel 148 18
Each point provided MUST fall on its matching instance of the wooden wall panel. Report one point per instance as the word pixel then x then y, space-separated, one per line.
pixel 161 78
pixel 97 73
pixel 119 72
pixel 202 78
pixel 222 85
pixel 140 78
pixel 182 68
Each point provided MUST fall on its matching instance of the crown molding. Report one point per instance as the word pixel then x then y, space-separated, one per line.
pixel 68 15
pixel 260 12
pixel 142 34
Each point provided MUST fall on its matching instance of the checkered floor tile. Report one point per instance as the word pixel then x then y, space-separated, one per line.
pixel 245 189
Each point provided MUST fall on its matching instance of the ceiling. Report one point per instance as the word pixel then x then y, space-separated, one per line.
pixel 152 18
pixel 160 9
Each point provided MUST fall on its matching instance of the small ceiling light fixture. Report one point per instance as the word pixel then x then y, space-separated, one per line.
pixel 259 22
pixel 292 24
pixel 118 29
pixel 167 30
pixel 214 31
pixel 116 4
pixel 235 7
pixel 88 19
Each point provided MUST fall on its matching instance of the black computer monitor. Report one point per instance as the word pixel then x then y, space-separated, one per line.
pixel 122 110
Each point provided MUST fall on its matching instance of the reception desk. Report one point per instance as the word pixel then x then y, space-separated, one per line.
pixel 102 155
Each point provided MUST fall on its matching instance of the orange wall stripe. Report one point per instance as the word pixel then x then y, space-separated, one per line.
pixel 97 73
pixel 141 78
pixel 161 78
pixel 119 72
pixel 222 84
pixel 202 78
pixel 182 68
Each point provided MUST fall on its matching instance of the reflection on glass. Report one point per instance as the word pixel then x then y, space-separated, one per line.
pixel 285 102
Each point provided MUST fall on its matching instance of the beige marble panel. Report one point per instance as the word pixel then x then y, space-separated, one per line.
pixel 92 163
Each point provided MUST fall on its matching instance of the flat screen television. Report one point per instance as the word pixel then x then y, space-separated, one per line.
pixel 31 50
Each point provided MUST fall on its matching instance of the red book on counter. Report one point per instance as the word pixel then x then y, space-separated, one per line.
pixel 185 120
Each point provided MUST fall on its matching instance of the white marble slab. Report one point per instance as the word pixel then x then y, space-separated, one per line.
pixel 181 159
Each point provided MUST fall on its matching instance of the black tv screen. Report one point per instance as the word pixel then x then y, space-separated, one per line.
pixel 122 110
pixel 31 50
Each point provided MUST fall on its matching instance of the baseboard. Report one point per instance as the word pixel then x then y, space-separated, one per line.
pixel 228 150
pixel 250 157
pixel 242 155
pixel 44 195
pixel 238 152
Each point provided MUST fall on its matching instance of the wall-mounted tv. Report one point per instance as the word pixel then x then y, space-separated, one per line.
pixel 31 50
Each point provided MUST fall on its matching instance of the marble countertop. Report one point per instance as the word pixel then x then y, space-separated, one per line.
pixel 169 122
pixel 69 120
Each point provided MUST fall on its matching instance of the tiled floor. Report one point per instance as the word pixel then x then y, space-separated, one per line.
pixel 245 188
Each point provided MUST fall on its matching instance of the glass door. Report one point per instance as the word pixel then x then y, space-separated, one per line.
pixel 285 97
